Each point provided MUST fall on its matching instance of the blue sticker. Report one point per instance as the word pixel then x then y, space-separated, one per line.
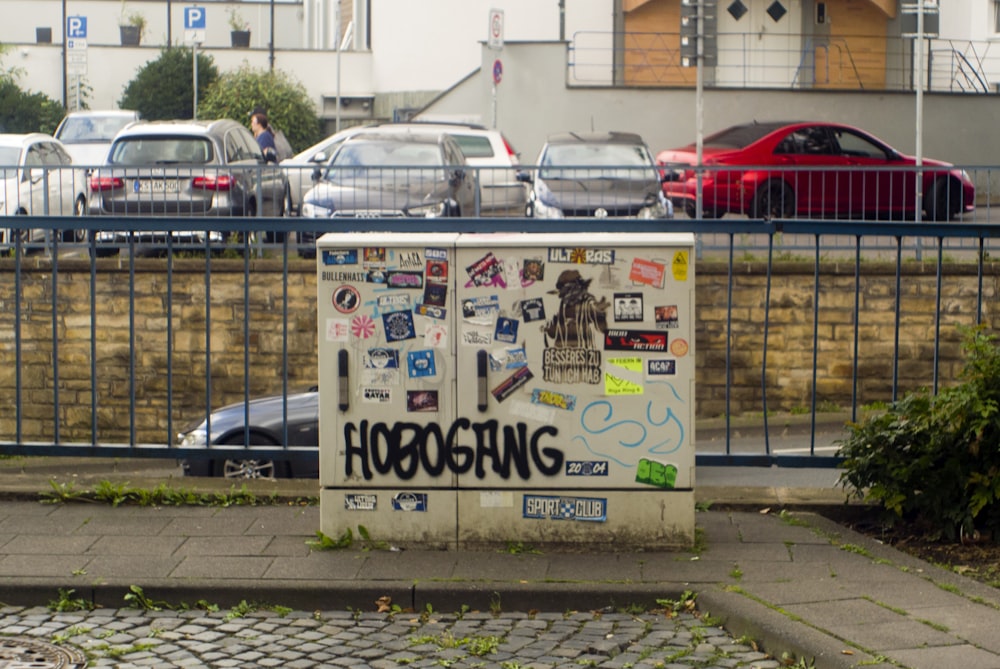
pixel 382 358
pixel 659 367
pixel 587 468
pixel 340 256
pixel 593 509
pixel 421 363
pixel 506 330
pixel 398 326
pixel 409 501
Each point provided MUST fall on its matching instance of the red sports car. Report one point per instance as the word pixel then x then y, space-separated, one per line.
pixel 810 170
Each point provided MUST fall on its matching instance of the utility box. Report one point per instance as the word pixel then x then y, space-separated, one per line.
pixel 482 389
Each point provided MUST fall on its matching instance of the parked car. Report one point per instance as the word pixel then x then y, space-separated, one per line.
pixel 39 179
pixel 596 174
pixel 379 173
pixel 299 168
pixel 497 165
pixel 266 428
pixel 87 134
pixel 811 169
pixel 186 168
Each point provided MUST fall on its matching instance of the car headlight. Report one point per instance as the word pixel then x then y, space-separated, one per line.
pixel 196 437
pixel 428 210
pixel 544 210
pixel 312 210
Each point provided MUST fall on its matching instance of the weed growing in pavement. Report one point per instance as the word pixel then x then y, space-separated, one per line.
pixel 137 599
pixel 371 544
pixel 685 604
pixel 62 637
pixel 520 548
pixel 67 602
pixel 62 492
pixel 117 494
pixel 325 543
pixel 736 573
pixel 245 608
pixel 495 607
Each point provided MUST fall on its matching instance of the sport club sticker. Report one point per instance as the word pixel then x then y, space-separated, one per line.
pixel 532 309
pixel 546 507
pixel 409 501
pixel 346 299
pixel 420 364
pixel 398 326
pixel 647 272
pixel 506 331
pixel 580 256
pixel 360 502
pixel 661 367
pixel 381 358
pixel 340 256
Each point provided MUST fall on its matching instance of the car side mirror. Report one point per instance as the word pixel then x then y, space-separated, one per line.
pixel 524 177
pixel 319 157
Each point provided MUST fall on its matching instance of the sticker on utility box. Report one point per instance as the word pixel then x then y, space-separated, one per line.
pixel 360 502
pixel 593 509
pixel 587 468
pixel 409 501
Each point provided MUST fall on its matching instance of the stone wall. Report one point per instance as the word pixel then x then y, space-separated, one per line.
pixel 247 332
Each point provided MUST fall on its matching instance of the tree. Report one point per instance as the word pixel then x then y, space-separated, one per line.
pixel 21 111
pixel 162 88
pixel 288 105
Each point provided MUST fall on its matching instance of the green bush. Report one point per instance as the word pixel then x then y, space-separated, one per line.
pixel 288 105
pixel 162 88
pixel 934 461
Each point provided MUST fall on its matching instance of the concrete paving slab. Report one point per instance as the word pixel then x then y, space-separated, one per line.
pixel 891 636
pixel 134 545
pixel 57 545
pixel 964 656
pixel 42 565
pixel 341 566
pixel 409 565
pixel 599 568
pixel 213 526
pixel 221 567
pixel 500 566
pixel 129 567
pixel 231 546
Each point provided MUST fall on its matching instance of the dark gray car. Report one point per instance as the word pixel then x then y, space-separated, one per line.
pixel 266 429
pixel 596 174
pixel 186 168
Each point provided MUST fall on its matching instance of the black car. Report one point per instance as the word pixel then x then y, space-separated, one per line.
pixel 596 174
pixel 266 429
pixel 186 169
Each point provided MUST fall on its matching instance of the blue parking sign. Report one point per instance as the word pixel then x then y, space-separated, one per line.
pixel 194 18
pixel 76 26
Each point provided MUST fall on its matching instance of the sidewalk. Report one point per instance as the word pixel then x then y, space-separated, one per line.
pixel 795 582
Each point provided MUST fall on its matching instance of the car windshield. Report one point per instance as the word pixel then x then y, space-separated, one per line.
pixel 596 161
pixel 80 129
pixel 9 156
pixel 161 151
pixel 356 159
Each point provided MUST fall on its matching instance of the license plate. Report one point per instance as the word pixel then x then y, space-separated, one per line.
pixel 156 186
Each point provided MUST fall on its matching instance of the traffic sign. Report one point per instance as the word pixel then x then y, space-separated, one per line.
pixel 195 22
pixel 497 71
pixel 495 40
pixel 77 44
pixel 76 27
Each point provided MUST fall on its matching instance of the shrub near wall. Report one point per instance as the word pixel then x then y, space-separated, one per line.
pixel 255 337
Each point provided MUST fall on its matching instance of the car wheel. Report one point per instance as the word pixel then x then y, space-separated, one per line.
pixel 250 468
pixel 774 199
pixel 78 235
pixel 944 199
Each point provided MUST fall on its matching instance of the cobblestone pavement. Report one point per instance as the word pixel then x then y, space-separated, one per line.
pixel 125 638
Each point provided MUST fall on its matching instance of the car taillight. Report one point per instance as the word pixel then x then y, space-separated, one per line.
pixel 98 183
pixel 216 182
